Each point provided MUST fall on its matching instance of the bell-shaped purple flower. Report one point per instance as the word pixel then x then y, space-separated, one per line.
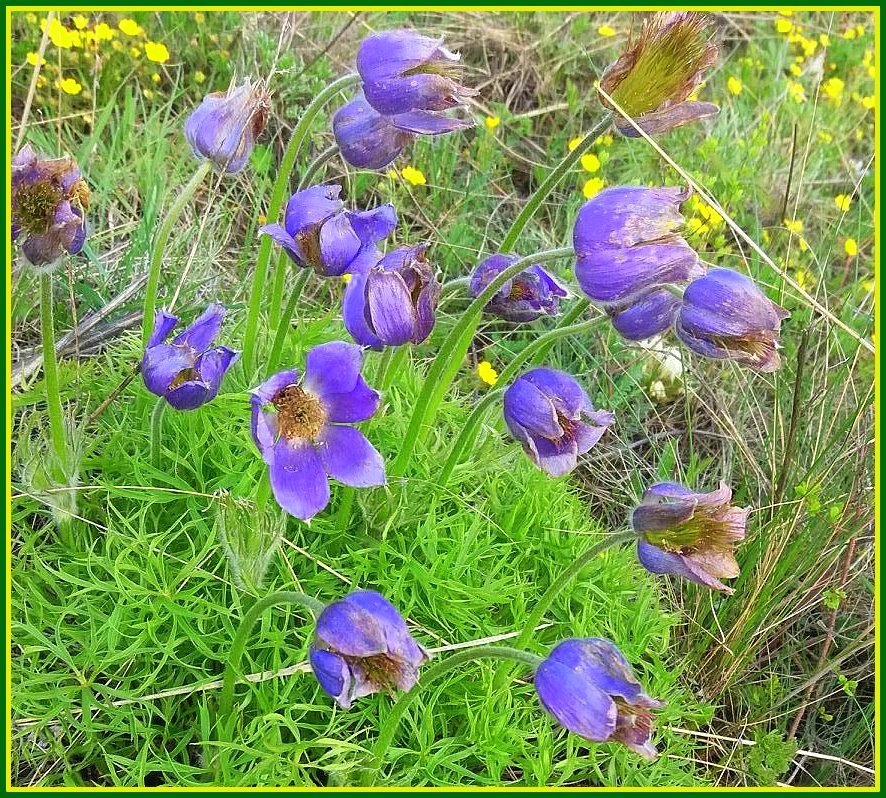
pixel 49 200
pixel 689 534
pixel 301 427
pixel 403 71
pixel 363 646
pixel 590 688
pixel 318 233
pixel 393 302
pixel 369 140
pixel 724 315
pixel 530 295
pixel 224 127
pixel 553 418
pixel 189 371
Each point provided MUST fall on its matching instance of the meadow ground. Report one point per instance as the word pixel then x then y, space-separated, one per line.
pixel 122 618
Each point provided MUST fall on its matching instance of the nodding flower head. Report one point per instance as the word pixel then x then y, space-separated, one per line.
pixel 653 78
pixel 528 296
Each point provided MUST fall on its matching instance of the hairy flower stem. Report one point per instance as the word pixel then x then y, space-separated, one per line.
pixel 278 195
pixel 434 672
pixel 316 165
pixel 159 247
pixel 50 373
pixel 451 355
pixel 285 322
pixel 278 288
pixel 157 432
pixel 550 183
pixel 556 587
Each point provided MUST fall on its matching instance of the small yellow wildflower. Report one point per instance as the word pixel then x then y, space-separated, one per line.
pixel 59 35
pixel 824 40
pixel 859 30
pixel 825 136
pixel 486 373
pixel 804 244
pixel 135 52
pixel 859 134
pixel 592 187
pixel 784 25
pixel 573 143
pixel 213 37
pixel 34 59
pixel 155 76
pixel 809 46
pixel 850 247
pixel 262 219
pixel 590 163
pixel 869 285
pixel 842 202
pixel 795 70
pixel 849 33
pixel 156 52
pixel 794 225
pixel 31 18
pixel 130 27
pixel 492 122
pixel 606 30
pixel 696 226
pixel 148 94
pixel 80 22
pixel 346 278
pixel 69 86
pixel 868 58
pixel 199 77
pixel 833 90
pixel 872 71
pixel 41 81
pixel 869 102
pixel 103 32
pixel 796 91
pixel 802 278
pixel 604 141
pixel 199 18
pixel 412 175
pixel 734 85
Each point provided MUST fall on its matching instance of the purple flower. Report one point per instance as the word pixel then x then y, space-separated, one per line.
pixel 393 302
pixel 528 296
pixel 300 425
pixel 725 316
pixel 369 140
pixel 318 232
pixel 689 534
pixel 653 78
pixel 589 687
pixel 188 372
pixel 362 646
pixel 226 124
pixel 49 199
pixel 553 418
pixel 403 71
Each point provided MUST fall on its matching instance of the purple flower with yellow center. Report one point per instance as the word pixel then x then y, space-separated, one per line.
pixel 590 688
pixel 394 302
pixel 319 234
pixel 49 200
pixel 724 315
pixel 653 79
pixel 363 646
pixel 224 127
pixel 553 418
pixel 689 534
pixel 300 424
pixel 627 251
pixel 189 371
pixel 403 71
pixel 530 295
pixel 369 140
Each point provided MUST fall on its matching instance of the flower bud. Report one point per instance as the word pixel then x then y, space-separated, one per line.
pixel 530 295
pixel 250 537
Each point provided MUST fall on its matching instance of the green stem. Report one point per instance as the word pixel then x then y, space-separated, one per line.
pixel 389 729
pixel 316 165
pixel 449 359
pixel 50 373
pixel 157 432
pixel 159 248
pixel 278 195
pixel 278 288
pixel 550 183
pixel 284 324
pixel 389 366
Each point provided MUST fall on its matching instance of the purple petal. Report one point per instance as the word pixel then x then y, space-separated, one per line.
pixel 339 245
pixel 525 405
pixel 332 368
pixel 358 404
pixel 298 479
pixel 350 458
pixel 390 53
pixel 213 364
pixel 164 323
pixel 587 436
pixel 657 561
pixel 575 702
pixel 558 458
pixel 660 517
pixel 669 118
pixel 562 389
pixel 190 395
pixel 375 225
pixel 351 630
pixel 429 123
pixel 289 244
pixel 200 335
pixel 310 207
pixel 274 384
pixel 367 139
pixel 354 312
pixel 161 364
pixel 393 315
pixel 333 674
pixel 649 315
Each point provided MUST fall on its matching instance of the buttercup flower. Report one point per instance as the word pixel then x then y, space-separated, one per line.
pixel 724 315
pixel 627 250
pixel 590 688
pixel 363 646
pixel 553 418
pixel 226 124
pixel 393 302
pixel 189 371
pixel 49 199
pixel 318 233
pixel 299 424
pixel 689 534
pixel 653 78
pixel 528 296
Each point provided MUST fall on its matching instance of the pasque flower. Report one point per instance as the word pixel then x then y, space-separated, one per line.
pixel 363 646
pixel 393 302
pixel 318 233
pixel 189 371
pixel 689 534
pixel 528 296
pixel 49 199
pixel 627 250
pixel 724 315
pixel 590 688
pixel 300 426
pixel 553 418
pixel 224 127
pixel 653 78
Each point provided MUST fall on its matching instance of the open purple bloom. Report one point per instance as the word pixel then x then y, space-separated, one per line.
pixel 724 315
pixel 590 688
pixel 393 302
pixel 301 427
pixel 528 296
pixel 318 233
pixel 225 125
pixel 403 71
pixel 189 371
pixel 369 140
pixel 689 534
pixel 49 199
pixel 553 418
pixel 363 646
